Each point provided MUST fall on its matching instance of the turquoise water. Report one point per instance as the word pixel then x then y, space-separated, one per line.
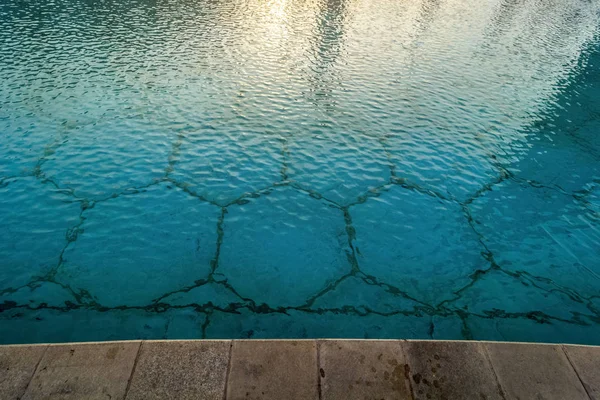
pixel 300 168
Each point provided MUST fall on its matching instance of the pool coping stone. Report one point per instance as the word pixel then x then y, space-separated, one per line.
pixel 321 369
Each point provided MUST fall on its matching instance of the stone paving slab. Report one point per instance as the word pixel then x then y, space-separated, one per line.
pixel 274 370
pixel 534 371
pixel 17 365
pixel 450 370
pixel 299 369
pixel 586 362
pixel 83 371
pixel 358 369
pixel 181 370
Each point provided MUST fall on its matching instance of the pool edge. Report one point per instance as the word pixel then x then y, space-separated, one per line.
pixel 299 369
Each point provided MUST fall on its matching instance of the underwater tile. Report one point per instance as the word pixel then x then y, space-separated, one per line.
pixel 20 326
pixel 283 247
pixel 588 201
pixel 109 157
pixel 541 233
pixel 455 165
pixel 40 294
pixel 34 228
pixel 561 162
pixel 24 139
pixel 586 332
pixel 498 293
pixel 208 294
pixel 588 91
pixel 245 324
pixel 222 165
pixel 589 134
pixel 314 324
pixel 185 324
pixel 161 105
pixel 136 248
pixel 417 243
pixel 93 325
pixel 340 167
pixel 365 297
pixel 447 328
pixel 479 328
pixel 594 304
pixel 81 325
pixel 523 329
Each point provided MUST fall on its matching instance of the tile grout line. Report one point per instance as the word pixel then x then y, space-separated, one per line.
pixel 562 346
pixel 488 357
pixel 135 362
pixel 319 369
pixel 35 371
pixel 227 371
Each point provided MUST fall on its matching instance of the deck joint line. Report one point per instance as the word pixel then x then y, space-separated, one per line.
pixel 228 370
pixel 35 370
pixel 566 353
pixel 489 360
pixel 135 362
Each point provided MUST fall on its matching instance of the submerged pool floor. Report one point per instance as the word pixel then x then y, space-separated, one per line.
pixel 300 169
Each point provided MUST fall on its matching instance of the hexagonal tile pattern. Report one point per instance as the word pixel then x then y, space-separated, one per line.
pixel 40 294
pixel 133 249
pixel 283 239
pixel 300 184
pixel 561 162
pixel 541 232
pixel 223 164
pixel 36 220
pixel 415 242
pixel 365 296
pixel 106 158
pixel 207 294
pixel 24 139
pixel 340 167
pixel 455 165
pixel 498 293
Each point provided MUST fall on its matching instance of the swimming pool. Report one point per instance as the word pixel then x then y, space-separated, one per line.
pixel 300 169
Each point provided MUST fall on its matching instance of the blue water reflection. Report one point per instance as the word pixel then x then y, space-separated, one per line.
pixel 300 168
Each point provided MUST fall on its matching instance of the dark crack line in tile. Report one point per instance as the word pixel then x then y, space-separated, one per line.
pixel 360 311
pixel 488 187
pixel 351 232
pixel 71 236
pixel 328 288
pixel 206 323
pixel 393 290
pixel 173 157
pixel 388 155
pixel 214 263
pixel 249 304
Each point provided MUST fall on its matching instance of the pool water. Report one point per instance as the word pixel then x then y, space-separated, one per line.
pixel 300 169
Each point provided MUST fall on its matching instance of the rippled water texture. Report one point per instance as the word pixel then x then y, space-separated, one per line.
pixel 300 168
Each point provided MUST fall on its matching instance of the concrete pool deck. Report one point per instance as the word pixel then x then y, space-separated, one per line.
pixel 299 369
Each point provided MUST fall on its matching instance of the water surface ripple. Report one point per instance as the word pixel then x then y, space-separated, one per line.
pixel 300 168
